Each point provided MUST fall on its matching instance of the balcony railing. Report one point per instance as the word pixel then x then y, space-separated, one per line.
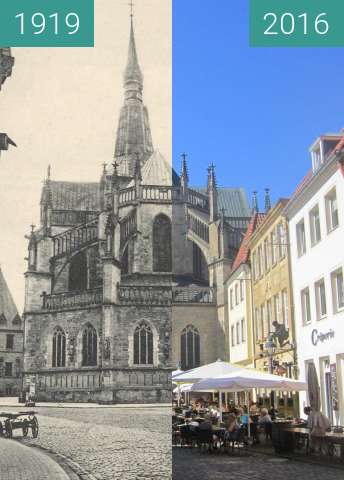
pixel 144 295
pixel 198 227
pixel 75 238
pixel 193 294
pixel 157 295
pixel 67 300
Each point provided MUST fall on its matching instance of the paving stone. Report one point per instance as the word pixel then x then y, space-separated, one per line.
pixel 19 462
pixel 111 444
pixel 190 464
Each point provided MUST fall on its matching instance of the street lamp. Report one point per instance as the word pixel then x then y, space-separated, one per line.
pixel 270 347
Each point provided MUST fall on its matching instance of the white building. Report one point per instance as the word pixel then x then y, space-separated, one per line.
pixel 239 299
pixel 316 226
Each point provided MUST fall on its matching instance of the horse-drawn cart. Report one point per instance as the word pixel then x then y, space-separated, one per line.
pixel 20 420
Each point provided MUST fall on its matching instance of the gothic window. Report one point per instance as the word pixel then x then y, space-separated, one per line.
pixel 78 273
pixel 125 262
pixel 59 348
pixel 89 346
pixel 190 348
pixel 143 345
pixel 3 319
pixel 162 248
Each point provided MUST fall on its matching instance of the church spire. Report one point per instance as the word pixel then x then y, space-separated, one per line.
pixel 133 133
pixel 133 78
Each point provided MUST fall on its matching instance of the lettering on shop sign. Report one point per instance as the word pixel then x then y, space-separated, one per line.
pixel 321 337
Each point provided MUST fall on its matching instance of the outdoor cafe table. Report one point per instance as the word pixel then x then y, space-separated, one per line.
pixel 331 438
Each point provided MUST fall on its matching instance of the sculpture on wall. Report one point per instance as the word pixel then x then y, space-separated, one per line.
pixel 281 334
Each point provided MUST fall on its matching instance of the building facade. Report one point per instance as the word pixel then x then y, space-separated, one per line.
pixel 125 275
pixel 6 65
pixel 239 300
pixel 316 225
pixel 272 301
pixel 11 343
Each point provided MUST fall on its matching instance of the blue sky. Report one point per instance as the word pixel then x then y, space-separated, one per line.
pixel 254 112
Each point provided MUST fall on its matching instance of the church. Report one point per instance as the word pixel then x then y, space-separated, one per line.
pixel 125 275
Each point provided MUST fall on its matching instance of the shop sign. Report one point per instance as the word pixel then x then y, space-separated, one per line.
pixel 321 337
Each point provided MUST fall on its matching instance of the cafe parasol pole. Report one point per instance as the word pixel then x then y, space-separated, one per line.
pixel 220 404
pixel 247 401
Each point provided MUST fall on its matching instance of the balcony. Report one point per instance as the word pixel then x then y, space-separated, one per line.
pixel 164 296
pixel 71 300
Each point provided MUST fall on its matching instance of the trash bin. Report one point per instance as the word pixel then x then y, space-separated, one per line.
pixel 282 439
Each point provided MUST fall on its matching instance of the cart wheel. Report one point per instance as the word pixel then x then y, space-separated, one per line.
pixel 1 430
pixel 34 427
pixel 8 427
pixel 25 429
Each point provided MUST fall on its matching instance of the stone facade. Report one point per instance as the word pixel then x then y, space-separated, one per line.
pixel 125 275
pixel 6 65
pixel 273 312
pixel 11 343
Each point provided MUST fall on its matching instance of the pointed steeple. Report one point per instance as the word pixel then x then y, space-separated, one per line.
pixel 133 132
pixel 255 207
pixel 133 78
pixel 46 203
pixel 267 200
pixel 184 177
pixel 212 193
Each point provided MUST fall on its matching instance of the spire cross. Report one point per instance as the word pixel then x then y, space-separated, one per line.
pixel 184 156
pixel 104 167
pixel 131 5
pixel 32 227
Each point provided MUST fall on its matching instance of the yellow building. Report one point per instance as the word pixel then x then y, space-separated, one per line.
pixel 272 304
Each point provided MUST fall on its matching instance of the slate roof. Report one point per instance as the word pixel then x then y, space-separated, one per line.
pixel 243 253
pixel 75 196
pixel 233 200
pixel 157 171
pixel 8 309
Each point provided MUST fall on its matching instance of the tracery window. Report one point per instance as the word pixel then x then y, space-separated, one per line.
pixel 162 244
pixel 190 348
pixel 89 346
pixel 143 345
pixel 59 348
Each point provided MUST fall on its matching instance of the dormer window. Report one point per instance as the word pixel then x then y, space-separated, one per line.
pixel 317 159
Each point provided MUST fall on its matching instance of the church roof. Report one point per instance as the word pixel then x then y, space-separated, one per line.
pixel 157 171
pixel 75 196
pixel 8 309
pixel 233 200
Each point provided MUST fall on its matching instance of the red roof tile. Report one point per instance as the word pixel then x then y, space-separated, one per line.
pixel 243 253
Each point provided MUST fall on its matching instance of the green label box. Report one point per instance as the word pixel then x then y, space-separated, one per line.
pixel 296 23
pixel 47 23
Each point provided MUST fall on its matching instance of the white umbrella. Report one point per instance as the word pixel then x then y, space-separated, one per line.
pixel 183 388
pixel 245 379
pixel 176 372
pixel 211 370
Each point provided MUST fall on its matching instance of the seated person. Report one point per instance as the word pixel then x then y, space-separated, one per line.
pixel 232 427
pixel 242 417
pixel 264 417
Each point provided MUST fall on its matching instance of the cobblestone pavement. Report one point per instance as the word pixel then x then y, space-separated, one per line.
pixel 110 443
pixel 18 462
pixel 191 464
